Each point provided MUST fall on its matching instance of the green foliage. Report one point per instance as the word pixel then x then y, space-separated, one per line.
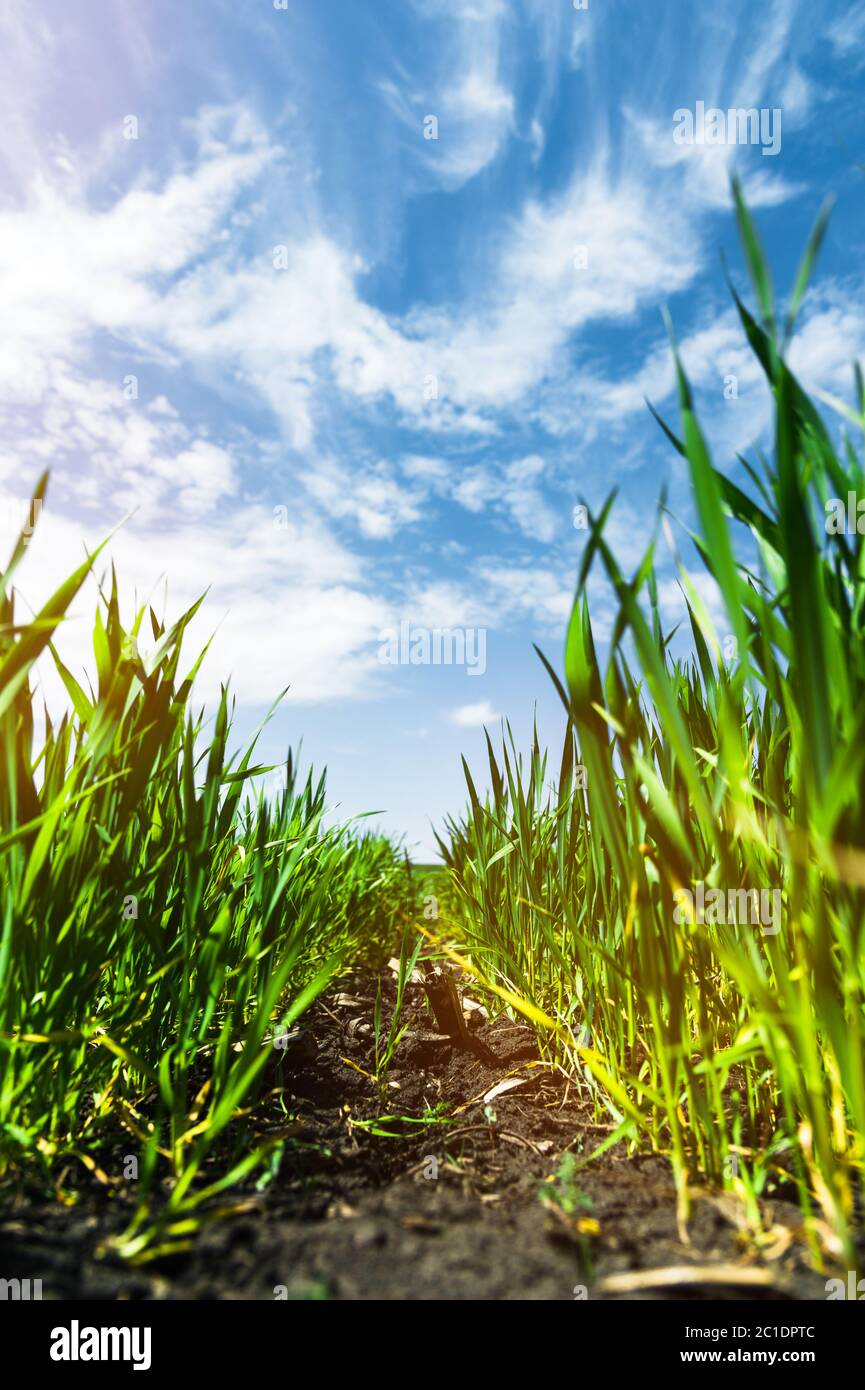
pixel 562 1190
pixel 160 924
pixel 387 1044
pixel 736 1050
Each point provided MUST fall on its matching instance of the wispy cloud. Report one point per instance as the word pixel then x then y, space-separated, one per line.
pixel 455 101
pixel 846 33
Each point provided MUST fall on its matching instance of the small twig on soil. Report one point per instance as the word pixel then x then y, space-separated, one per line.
pixel 337 1020
pixel 466 1105
pixel 675 1275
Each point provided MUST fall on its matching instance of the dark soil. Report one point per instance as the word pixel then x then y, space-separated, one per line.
pixel 442 1211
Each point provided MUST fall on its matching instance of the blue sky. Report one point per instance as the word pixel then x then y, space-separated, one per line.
pixel 281 295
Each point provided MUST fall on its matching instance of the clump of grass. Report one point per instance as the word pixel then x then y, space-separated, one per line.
pixel 561 1190
pixel 736 1050
pixel 160 923
pixel 386 1044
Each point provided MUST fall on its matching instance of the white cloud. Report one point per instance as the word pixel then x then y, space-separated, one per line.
pixel 765 55
pixel 474 489
pixel 159 269
pixel 206 475
pixel 286 605
pixel 67 269
pixel 510 490
pixel 487 358
pixel 847 34
pixel 705 169
pixel 481 111
pixel 30 46
pixel 538 138
pixel 464 87
pixel 371 496
pixel 473 716
pixel 830 336
pixel 525 502
pixel 529 591
pixel 428 470
pixel 367 494
pixel 447 603
pixel 102 446
pixel 797 96
pixel 708 354
pixel 163 273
